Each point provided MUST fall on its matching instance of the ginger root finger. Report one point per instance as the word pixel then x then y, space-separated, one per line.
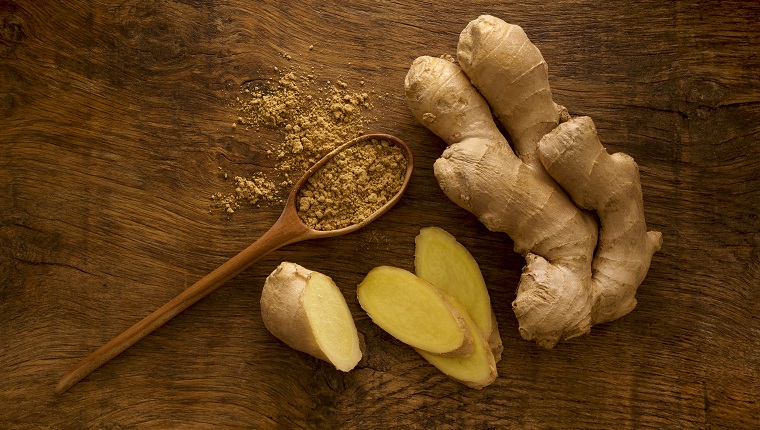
pixel 307 311
pixel 512 75
pixel 610 185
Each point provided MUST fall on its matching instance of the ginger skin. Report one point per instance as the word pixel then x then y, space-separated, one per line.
pixel 625 246
pixel 538 197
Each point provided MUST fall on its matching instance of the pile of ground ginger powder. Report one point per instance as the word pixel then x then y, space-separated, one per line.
pixel 314 120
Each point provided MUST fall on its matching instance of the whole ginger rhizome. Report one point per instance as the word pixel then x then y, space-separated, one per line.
pixel 538 190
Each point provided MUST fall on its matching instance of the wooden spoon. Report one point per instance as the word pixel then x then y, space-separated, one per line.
pixel 289 228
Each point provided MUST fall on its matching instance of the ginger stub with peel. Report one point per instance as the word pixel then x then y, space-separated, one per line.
pixel 540 189
pixel 307 311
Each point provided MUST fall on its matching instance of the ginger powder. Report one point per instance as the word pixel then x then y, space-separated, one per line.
pixel 352 185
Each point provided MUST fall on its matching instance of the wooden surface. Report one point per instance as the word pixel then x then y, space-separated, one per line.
pixel 115 119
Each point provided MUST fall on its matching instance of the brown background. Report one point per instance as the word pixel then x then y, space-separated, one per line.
pixel 115 120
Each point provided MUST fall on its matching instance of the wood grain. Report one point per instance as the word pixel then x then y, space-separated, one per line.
pixel 115 119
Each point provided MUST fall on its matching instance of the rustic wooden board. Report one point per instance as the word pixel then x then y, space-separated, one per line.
pixel 115 119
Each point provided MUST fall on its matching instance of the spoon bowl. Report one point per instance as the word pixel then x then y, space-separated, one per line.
pixel 289 228
pixel 290 212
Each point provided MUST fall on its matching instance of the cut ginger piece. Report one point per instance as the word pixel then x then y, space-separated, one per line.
pixel 444 262
pixel 415 312
pixel 476 370
pixel 307 311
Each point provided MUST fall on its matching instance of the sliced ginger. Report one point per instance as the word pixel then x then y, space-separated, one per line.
pixel 447 264
pixel 448 294
pixel 475 370
pixel 307 311
pixel 414 311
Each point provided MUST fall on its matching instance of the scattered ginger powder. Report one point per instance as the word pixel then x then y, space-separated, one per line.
pixel 313 125
pixel 352 185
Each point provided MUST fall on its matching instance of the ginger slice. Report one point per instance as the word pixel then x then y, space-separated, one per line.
pixel 307 311
pixel 444 262
pixel 476 370
pixel 414 311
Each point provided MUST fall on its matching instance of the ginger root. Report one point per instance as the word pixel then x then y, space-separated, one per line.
pixel 539 190
pixel 307 311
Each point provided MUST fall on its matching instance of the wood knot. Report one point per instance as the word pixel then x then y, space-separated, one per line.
pixel 12 27
pixel 705 93
pixel 157 35
pixel 699 97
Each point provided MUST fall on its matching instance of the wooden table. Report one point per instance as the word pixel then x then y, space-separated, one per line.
pixel 115 126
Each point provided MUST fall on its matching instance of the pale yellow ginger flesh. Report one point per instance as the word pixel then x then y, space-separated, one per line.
pixel 414 311
pixel 391 296
pixel 444 262
pixel 537 189
pixel 307 311
pixel 475 370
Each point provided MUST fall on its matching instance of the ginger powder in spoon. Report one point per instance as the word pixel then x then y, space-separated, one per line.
pixel 352 185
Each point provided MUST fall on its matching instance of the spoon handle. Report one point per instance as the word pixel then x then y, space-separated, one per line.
pixel 283 232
